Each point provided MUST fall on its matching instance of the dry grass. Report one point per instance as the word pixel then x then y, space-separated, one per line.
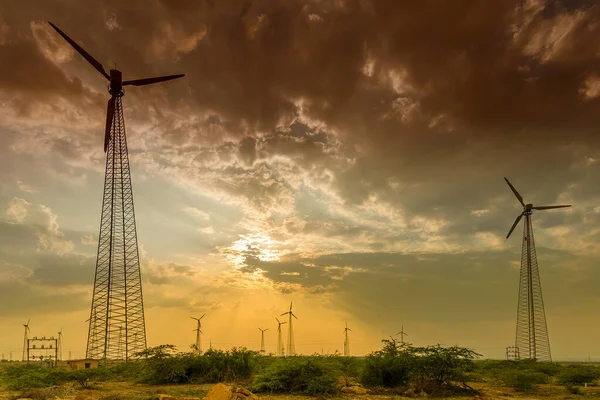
pixel 132 391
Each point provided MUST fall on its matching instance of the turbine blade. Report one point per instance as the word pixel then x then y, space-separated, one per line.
pixel 277 319
pixel 514 225
pixel 294 315
pixel 290 306
pixel 149 81
pixel 515 192
pixel 110 113
pixel 284 314
pixel 81 51
pixel 202 315
pixel 549 207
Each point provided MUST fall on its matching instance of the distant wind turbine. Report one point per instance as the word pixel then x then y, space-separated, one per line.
pixel 262 339
pixel 291 347
pixel 60 336
pixel 198 333
pixel 347 341
pixel 280 351
pixel 27 330
pixel 402 334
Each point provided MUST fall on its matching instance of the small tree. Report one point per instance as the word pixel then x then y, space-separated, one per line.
pixel 391 366
pixel 444 365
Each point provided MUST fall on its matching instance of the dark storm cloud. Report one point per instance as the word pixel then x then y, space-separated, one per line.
pixel 423 105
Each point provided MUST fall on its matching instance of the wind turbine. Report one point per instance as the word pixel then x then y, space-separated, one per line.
pixel 290 345
pixel 198 332
pixel 25 344
pixel 532 331
pixel 402 334
pixel 262 339
pixel 280 351
pixel 117 295
pixel 347 341
pixel 60 335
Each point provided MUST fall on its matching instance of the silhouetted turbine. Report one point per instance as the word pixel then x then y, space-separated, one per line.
pixel 532 339
pixel 117 299
pixel 198 331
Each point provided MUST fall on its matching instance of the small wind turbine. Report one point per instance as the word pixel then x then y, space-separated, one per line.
pixel 402 334
pixel 291 346
pixel 262 339
pixel 280 351
pixel 60 335
pixel 27 330
pixel 346 341
pixel 532 331
pixel 198 333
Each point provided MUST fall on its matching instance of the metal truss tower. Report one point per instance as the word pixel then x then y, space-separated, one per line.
pixel 532 331
pixel 117 327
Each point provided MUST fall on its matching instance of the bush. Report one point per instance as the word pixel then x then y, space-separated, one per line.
pixel 163 366
pixel 578 375
pixel 391 366
pixel 21 377
pixel 295 376
pixel 443 366
pixel 428 367
pixel 522 380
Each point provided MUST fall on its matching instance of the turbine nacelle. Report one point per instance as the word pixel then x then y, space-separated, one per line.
pixel 116 83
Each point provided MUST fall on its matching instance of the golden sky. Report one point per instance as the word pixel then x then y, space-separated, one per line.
pixel 344 155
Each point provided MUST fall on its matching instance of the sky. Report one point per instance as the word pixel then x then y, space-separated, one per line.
pixel 344 155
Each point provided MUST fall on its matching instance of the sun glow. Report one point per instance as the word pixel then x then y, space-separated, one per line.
pixel 255 244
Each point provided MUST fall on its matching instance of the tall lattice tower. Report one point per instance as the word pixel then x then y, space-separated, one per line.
pixel 532 340
pixel 532 331
pixel 117 302
pixel 117 327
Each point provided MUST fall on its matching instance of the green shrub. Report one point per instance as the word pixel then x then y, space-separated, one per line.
pixel 522 380
pixel 162 365
pixel 21 377
pixel 427 367
pixel 297 376
pixel 391 366
pixel 578 374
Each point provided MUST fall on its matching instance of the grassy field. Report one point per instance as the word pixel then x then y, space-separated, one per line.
pixel 396 371
pixel 134 391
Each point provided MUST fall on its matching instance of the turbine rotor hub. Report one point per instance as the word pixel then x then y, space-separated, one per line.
pixel 528 207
